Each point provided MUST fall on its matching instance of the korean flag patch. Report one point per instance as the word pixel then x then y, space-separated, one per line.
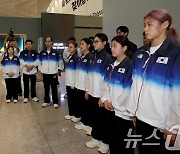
pixel 140 56
pixel 99 61
pixel 85 60
pixel 121 70
pixel 162 60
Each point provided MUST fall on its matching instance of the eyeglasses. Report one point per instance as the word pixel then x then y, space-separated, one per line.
pixel 96 42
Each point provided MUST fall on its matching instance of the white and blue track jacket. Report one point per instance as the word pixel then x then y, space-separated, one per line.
pixel 29 58
pixel 97 68
pixel 82 72
pixel 155 92
pixel 70 72
pixel 10 65
pixel 117 84
pixel 50 63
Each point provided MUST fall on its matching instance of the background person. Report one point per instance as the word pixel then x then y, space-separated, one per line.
pixel 28 59
pixel 11 68
pixel 50 62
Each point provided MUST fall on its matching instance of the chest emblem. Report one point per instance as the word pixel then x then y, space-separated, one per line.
pixel 162 60
pixel 121 70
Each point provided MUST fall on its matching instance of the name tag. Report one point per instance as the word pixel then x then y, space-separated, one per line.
pixel 162 60
pixel 44 53
pixel 53 54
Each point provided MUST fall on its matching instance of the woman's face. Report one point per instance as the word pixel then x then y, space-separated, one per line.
pixel 10 51
pixel 117 49
pixel 98 44
pixel 152 28
pixel 83 46
pixel 71 48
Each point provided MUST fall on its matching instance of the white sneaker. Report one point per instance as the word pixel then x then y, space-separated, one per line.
pixel 74 119
pixel 8 101
pixel 93 143
pixel 25 100
pixel 35 99
pixel 103 148
pixel 88 130
pixel 80 125
pixel 45 104
pixel 56 106
pixel 15 101
pixel 68 117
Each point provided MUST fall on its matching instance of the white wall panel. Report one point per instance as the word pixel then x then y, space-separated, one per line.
pixel 131 13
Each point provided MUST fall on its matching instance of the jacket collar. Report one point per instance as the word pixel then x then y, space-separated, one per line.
pixel 163 48
pixel 102 51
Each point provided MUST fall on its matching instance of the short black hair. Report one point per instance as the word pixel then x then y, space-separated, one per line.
pixel 123 29
pixel 48 37
pixel 29 41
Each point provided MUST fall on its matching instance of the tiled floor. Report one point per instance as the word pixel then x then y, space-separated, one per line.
pixel 31 129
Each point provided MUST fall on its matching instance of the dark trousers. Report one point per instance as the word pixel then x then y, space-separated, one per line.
pixel 100 127
pixel 72 100
pixel 83 107
pixel 119 128
pixel 19 88
pixel 50 80
pixel 26 79
pixel 92 105
pixel 80 95
pixel 11 87
pixel 147 132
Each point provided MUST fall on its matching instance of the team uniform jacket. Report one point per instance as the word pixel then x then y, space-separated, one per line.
pixel 50 63
pixel 10 65
pixel 117 84
pixel 155 92
pixel 97 68
pixel 29 58
pixel 82 71
pixel 71 70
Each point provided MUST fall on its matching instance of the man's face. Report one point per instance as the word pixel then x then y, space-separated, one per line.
pixel 29 45
pixel 48 42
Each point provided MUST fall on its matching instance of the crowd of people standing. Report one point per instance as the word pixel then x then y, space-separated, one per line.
pixel 111 95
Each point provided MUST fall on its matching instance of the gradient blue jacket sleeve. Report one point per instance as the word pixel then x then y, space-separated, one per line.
pixel 173 117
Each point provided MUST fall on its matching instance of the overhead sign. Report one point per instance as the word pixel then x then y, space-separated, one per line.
pixel 77 7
